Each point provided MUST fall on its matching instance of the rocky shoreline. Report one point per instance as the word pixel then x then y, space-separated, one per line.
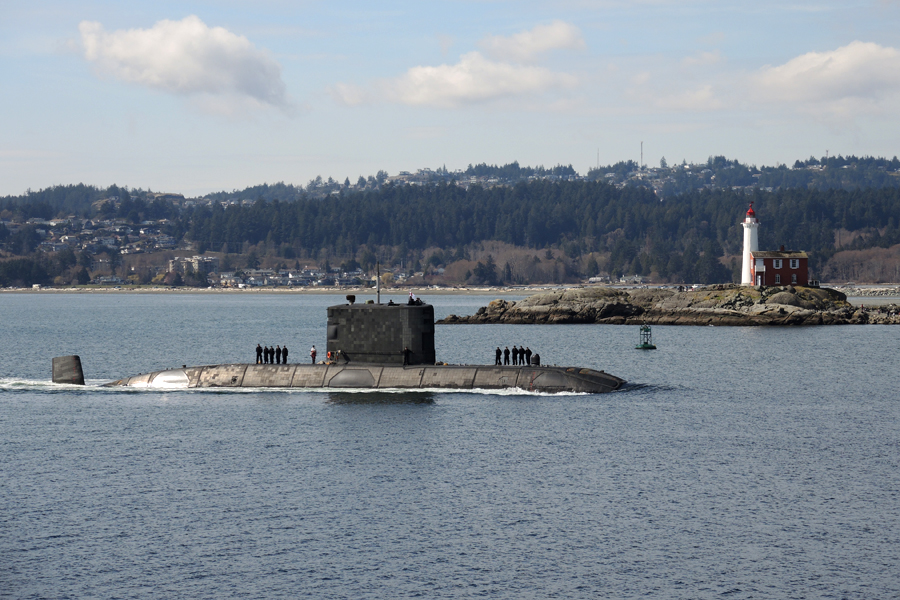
pixel 712 305
pixel 869 291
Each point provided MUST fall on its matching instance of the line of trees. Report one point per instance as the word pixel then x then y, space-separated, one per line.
pixel 513 171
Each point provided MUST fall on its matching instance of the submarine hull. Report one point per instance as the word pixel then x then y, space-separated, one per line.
pixel 380 376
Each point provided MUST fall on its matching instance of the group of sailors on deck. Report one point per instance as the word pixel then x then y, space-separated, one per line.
pixel 271 356
pixel 520 357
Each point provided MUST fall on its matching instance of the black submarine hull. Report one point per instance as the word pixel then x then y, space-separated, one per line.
pixel 546 379
pixel 367 338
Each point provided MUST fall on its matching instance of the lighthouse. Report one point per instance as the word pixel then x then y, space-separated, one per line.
pixel 751 244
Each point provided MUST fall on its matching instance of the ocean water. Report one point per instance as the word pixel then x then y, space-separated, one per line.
pixel 737 463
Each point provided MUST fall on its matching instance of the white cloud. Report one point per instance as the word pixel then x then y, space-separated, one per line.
pixel 526 45
pixel 860 74
pixel 476 78
pixel 188 58
pixel 472 79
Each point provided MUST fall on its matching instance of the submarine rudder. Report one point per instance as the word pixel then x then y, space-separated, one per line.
pixel 67 369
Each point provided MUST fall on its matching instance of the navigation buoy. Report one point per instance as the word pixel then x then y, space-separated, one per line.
pixel 646 342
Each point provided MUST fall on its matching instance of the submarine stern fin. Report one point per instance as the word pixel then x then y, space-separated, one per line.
pixel 67 369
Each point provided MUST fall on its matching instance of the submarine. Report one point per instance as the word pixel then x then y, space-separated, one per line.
pixel 373 346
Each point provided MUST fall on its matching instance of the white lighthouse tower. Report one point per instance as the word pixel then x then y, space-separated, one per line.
pixel 751 244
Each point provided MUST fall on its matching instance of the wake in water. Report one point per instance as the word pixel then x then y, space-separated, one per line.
pixel 646 388
pixel 15 384
pixel 96 387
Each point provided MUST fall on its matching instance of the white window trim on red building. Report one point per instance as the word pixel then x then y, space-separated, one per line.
pixel 767 267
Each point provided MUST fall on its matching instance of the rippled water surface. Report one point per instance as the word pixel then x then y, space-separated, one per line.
pixel 738 463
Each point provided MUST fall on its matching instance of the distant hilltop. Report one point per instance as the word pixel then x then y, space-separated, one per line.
pixel 666 179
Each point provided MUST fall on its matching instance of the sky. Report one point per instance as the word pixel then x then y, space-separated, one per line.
pixel 199 96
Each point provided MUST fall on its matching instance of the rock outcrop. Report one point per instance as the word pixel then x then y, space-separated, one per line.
pixel 712 305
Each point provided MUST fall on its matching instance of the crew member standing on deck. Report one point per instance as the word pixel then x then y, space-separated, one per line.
pixel 515 353
pixel 258 354
pixel 277 355
pixel 284 355
pixel 312 354
pixel 497 356
pixel 527 356
pixel 506 356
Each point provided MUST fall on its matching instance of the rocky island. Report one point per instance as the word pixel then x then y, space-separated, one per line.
pixel 712 305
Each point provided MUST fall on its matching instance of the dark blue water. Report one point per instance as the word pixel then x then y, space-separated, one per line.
pixel 739 463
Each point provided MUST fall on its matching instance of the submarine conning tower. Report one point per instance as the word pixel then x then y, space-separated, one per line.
pixel 378 333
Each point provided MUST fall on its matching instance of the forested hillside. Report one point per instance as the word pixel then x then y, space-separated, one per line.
pixel 538 230
pixel 627 231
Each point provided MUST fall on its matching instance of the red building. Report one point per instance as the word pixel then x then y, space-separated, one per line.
pixel 779 268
